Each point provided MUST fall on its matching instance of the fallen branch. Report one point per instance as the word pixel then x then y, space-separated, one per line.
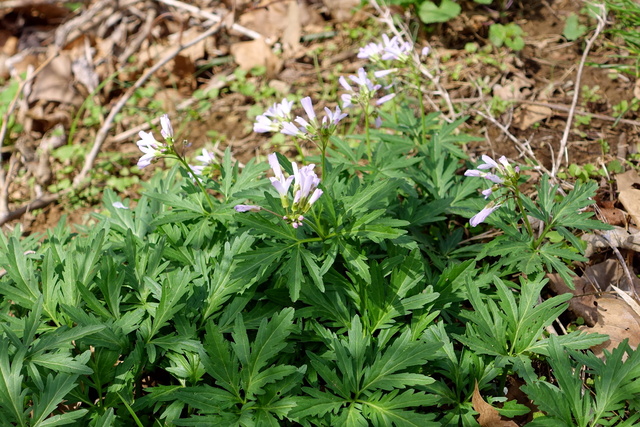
pixel 562 152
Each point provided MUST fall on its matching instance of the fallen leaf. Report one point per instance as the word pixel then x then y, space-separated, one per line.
pixel 341 10
pixel 489 416
pixel 293 31
pixel 531 114
pixel 596 278
pixel 55 83
pixel 619 237
pixel 618 320
pixel 629 193
pixel 256 53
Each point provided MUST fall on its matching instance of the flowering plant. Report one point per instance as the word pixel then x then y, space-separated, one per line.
pixel 349 295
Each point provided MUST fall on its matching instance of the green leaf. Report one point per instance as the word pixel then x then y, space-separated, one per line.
pixel 430 13
pixel 573 29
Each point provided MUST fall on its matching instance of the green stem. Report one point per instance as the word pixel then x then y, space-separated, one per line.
pixel 525 218
pixel 416 82
pixel 367 136
pixel 198 181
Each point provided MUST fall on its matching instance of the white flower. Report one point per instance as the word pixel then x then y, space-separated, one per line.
pixel 280 183
pixel 206 158
pixel 483 214
pixel 119 205
pixel 247 208
pixel 167 129
pixel 150 147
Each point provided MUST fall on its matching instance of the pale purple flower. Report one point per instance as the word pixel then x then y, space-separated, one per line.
pixel 274 118
pixel 486 193
pixel 382 73
pixel 385 98
pixel 395 49
pixel 308 108
pixel 264 124
pixel 332 117
pixel 281 110
pixel 489 162
pixel 483 214
pixel 486 175
pixel 150 147
pixel 247 208
pixel 119 205
pixel 197 169
pixel 206 158
pixel 289 128
pixel 279 182
pixel 425 51
pixel 165 124
pixel 305 188
pixel 371 51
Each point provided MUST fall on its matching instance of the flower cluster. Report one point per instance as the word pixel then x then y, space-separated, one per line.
pixel 305 191
pixel 390 49
pixel 206 159
pixel 153 149
pixel 365 90
pixel 505 176
pixel 278 119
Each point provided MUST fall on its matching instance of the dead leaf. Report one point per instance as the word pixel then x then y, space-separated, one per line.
pixel 341 10
pixel 55 83
pixel 596 278
pixel 489 416
pixel 530 114
pixel 619 237
pixel 629 193
pixel 618 320
pixel 636 89
pixel 256 53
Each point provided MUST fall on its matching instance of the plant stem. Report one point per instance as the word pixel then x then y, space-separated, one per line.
pixel 198 181
pixel 523 213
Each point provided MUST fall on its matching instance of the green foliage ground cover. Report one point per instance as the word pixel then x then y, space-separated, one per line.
pixel 217 298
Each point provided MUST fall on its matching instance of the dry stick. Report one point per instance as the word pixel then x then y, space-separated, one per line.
pixel 562 152
pixel 213 17
pixel 524 148
pixel 558 107
pixel 632 288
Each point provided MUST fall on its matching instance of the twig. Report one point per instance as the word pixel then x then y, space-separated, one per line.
pixel 613 247
pixel 557 107
pixel 213 17
pixel 101 136
pixel 525 149
pixel 562 152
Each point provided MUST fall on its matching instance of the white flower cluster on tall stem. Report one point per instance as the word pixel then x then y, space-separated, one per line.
pixel 153 149
pixel 278 119
pixel 206 159
pixel 505 176
pixel 365 89
pixel 305 191
pixel 393 48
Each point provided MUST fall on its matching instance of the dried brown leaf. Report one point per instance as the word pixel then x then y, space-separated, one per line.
pixel 489 416
pixel 629 193
pixel 256 53
pixel 618 320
